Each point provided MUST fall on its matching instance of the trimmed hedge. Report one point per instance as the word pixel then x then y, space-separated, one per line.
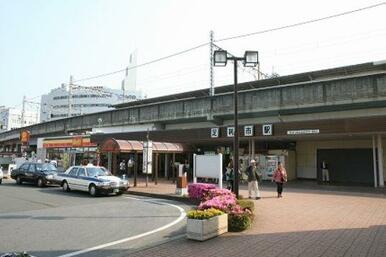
pixel 237 223
pixel 247 204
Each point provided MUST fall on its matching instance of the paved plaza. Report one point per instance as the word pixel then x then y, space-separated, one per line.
pixel 303 223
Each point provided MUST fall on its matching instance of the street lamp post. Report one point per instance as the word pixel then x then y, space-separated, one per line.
pixel 250 59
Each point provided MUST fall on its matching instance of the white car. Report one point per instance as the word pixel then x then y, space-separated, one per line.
pixel 1 175
pixel 92 179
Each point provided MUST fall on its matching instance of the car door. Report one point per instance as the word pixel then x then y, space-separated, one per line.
pixel 22 171
pixel 30 173
pixel 82 179
pixel 35 172
pixel 72 178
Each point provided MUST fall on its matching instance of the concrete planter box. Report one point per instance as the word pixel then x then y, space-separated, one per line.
pixel 202 230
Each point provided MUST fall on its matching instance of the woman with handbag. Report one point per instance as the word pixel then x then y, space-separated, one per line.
pixel 280 177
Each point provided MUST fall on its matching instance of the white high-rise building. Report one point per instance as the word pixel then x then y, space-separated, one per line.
pixel 83 100
pixel 55 105
pixel 11 118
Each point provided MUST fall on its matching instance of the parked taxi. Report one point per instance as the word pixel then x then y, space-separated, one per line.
pixel 93 179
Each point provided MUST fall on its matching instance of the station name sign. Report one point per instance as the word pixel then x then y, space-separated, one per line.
pixel 247 131
pixel 303 132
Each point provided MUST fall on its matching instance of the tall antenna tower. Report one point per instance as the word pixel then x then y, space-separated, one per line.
pixel 211 75
pixel 23 112
pixel 70 96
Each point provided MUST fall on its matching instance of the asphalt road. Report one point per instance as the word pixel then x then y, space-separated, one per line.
pixel 47 222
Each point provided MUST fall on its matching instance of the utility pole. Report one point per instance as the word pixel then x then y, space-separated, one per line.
pixel 147 156
pixel 70 96
pixel 23 112
pixel 211 74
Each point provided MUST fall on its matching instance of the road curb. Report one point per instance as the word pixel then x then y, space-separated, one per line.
pixel 160 196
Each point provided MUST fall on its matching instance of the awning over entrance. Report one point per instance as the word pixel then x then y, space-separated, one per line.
pixel 129 146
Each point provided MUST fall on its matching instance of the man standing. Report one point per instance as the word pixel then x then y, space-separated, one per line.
pixel 122 168
pixel 253 179
pixel 130 166
pixel 325 173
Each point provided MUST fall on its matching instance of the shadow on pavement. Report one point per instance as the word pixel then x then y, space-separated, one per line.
pixel 356 242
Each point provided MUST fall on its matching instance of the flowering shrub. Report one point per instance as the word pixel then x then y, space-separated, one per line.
pixel 204 214
pixel 197 191
pixel 240 214
pixel 223 202
pixel 239 218
pixel 211 193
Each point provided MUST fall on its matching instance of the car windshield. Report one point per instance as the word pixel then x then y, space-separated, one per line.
pixel 97 171
pixel 45 167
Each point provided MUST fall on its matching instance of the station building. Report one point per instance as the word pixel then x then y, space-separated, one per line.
pixel 337 116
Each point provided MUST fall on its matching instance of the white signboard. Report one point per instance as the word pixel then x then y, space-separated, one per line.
pixel 267 130
pixel 214 132
pixel 147 157
pixel 248 130
pixel 303 132
pixel 207 166
pixel 230 131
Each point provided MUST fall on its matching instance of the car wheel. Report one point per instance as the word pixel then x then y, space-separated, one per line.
pixel 1 181
pixel 41 182
pixel 119 193
pixel 92 190
pixel 65 187
pixel 18 180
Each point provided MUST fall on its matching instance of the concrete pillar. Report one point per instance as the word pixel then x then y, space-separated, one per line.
pixel 156 169
pixel 109 161
pixel 174 168
pixel 380 162
pixel 249 150
pixel 115 164
pixel 253 148
pixel 375 162
pixel 166 165
pixel 136 165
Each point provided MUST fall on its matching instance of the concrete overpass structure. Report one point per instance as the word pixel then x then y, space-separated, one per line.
pixel 315 95
pixel 345 103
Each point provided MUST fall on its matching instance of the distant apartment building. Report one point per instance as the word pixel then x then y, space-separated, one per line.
pixel 55 105
pixel 11 118
pixel 89 99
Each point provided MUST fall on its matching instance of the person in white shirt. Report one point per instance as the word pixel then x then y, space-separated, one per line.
pixel 254 175
pixel 122 168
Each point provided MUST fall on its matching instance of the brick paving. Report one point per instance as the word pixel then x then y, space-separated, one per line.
pixel 303 223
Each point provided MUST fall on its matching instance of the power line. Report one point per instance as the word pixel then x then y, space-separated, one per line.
pixel 302 23
pixel 234 37
pixel 144 64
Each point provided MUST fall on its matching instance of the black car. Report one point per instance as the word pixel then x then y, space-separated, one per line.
pixel 38 173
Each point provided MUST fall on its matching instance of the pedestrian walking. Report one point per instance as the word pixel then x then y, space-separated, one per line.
pixel 254 176
pixel 243 170
pixel 280 177
pixel 122 168
pixel 130 167
pixel 229 175
pixel 325 172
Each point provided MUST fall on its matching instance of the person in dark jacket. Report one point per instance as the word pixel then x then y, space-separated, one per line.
pixel 325 172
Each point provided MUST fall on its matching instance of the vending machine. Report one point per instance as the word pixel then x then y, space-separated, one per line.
pixel 271 162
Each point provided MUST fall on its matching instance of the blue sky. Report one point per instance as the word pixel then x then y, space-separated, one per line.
pixel 43 42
